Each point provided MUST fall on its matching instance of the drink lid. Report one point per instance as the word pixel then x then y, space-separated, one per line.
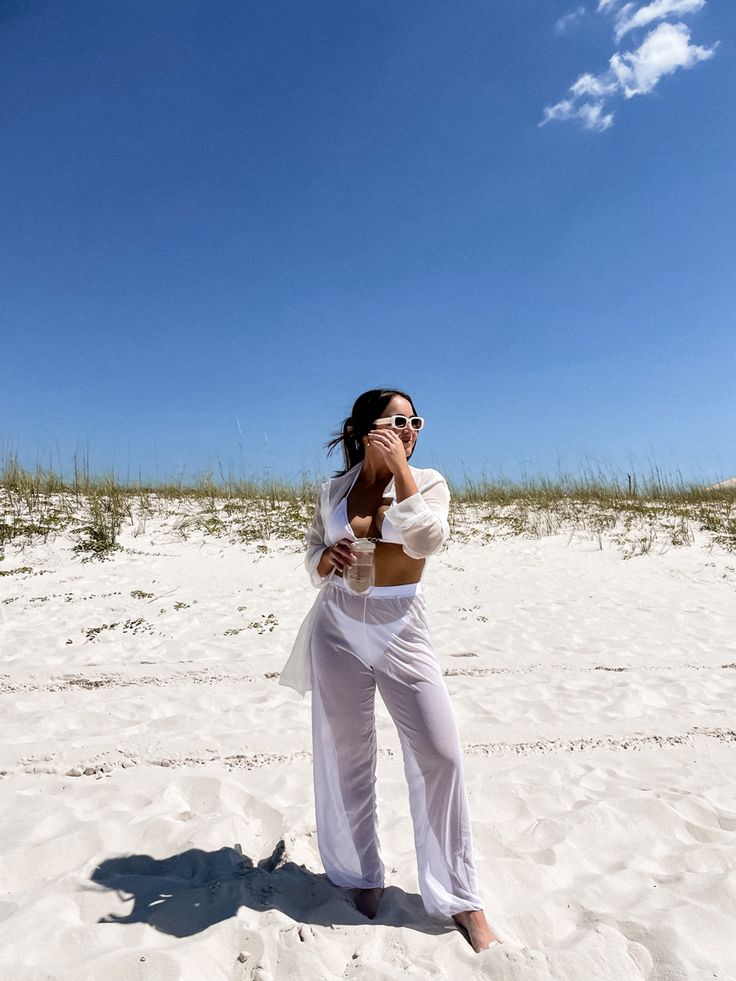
pixel 363 545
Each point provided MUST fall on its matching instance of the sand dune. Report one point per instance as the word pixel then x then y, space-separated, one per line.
pixel 729 482
pixel 152 765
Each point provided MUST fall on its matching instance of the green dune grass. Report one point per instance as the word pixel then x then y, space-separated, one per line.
pixel 93 509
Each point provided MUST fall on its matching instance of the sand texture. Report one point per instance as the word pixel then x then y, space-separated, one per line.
pixel 151 765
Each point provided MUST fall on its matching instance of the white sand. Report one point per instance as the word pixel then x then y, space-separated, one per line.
pixel 729 482
pixel 595 702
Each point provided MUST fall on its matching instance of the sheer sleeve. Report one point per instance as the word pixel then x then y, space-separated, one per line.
pixel 316 545
pixel 422 519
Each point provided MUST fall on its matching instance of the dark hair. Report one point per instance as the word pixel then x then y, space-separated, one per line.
pixel 368 407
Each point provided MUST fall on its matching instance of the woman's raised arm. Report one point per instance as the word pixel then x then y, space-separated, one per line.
pixel 422 518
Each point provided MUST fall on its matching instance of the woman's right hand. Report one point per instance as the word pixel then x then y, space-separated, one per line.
pixel 338 557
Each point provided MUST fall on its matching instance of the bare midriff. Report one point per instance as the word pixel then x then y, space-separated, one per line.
pixel 394 567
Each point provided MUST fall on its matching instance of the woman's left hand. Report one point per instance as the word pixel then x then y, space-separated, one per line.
pixel 391 447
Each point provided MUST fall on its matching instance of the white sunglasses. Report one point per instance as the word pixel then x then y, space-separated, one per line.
pixel 401 422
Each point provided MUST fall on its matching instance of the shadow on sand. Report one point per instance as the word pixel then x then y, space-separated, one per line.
pixel 187 893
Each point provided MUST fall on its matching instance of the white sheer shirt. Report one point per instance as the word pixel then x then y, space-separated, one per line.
pixel 420 521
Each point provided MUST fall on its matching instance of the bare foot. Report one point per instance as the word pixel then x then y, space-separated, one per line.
pixel 367 900
pixel 473 923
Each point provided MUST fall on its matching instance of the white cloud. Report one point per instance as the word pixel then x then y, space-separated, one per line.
pixel 593 116
pixel 666 48
pixel 567 20
pixel 589 113
pixel 663 51
pixel 627 19
pixel 605 5
pixel 593 85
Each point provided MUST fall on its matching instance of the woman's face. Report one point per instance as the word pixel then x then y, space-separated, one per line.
pixel 399 406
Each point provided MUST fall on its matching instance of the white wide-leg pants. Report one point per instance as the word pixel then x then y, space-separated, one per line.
pixel 382 640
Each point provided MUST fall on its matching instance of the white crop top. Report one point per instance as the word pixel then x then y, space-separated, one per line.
pixel 337 526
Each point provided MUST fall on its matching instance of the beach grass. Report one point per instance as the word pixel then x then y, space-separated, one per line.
pixel 634 512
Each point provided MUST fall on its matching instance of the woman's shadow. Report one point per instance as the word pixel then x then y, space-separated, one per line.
pixel 186 893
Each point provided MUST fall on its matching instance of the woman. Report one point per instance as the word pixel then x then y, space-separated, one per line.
pixel 349 645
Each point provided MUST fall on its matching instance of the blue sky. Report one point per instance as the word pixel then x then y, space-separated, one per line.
pixel 219 223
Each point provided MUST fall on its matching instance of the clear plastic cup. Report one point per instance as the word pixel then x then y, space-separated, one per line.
pixel 361 576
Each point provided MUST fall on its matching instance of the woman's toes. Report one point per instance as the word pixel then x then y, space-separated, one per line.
pixel 474 924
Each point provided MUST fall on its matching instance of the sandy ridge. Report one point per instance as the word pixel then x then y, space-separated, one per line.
pixel 41 764
pixel 84 682
pixel 594 696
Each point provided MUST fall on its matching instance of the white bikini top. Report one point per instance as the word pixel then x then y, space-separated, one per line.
pixel 337 526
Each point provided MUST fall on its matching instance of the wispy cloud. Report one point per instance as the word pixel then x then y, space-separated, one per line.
pixel 569 19
pixel 665 48
pixel 628 18
pixel 591 114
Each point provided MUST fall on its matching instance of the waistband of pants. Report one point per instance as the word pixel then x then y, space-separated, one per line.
pixel 406 589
